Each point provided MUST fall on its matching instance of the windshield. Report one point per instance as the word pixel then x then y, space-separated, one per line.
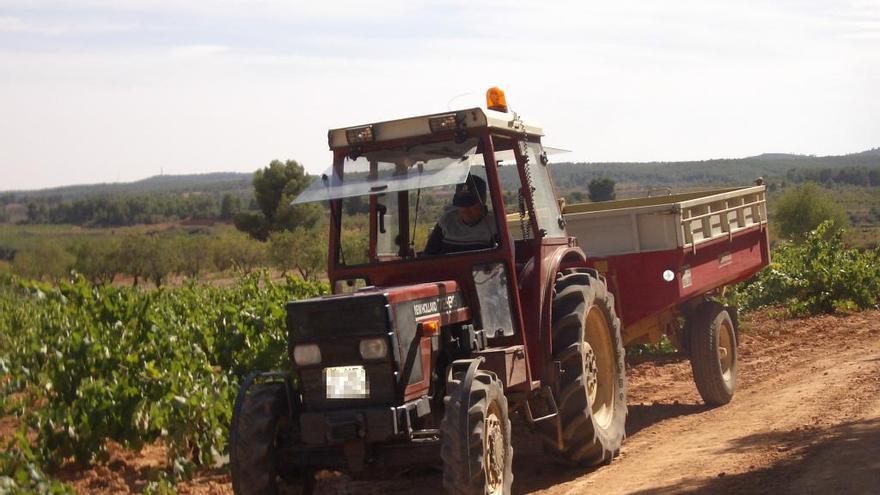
pixel 396 169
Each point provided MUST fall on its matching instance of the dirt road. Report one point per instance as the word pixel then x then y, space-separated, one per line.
pixel 806 419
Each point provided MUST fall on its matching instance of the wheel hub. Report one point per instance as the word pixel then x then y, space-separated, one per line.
pixel 726 343
pixel 494 454
pixel 591 370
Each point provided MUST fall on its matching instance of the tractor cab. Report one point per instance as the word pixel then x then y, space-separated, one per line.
pixel 391 182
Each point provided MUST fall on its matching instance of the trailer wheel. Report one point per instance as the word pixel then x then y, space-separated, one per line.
pixel 475 434
pixel 257 420
pixel 591 395
pixel 713 340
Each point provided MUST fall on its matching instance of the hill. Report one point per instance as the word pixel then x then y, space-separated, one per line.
pixel 721 171
pixel 774 167
pixel 200 196
pixel 217 182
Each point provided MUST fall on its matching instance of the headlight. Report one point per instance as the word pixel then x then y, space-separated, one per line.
pixel 374 348
pixel 359 135
pixel 307 354
pixel 443 123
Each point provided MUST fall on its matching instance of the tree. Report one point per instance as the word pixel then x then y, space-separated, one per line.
pixel 37 212
pixel 276 180
pixel 802 209
pixel 43 260
pixel 274 188
pixel 303 250
pixel 196 255
pixel 291 217
pixel 132 258
pixel 601 189
pixel 229 206
pixel 98 261
pixel 239 252
pixel 162 258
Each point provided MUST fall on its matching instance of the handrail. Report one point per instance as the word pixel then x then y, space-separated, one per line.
pixel 701 216
pixel 757 207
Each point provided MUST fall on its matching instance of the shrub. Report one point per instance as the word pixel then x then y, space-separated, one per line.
pixel 820 275
pixel 601 189
pixel 800 211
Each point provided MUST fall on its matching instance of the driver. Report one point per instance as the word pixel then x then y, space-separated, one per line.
pixel 467 227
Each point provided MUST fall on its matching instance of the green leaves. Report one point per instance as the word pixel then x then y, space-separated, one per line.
pixel 820 275
pixel 92 363
pixel 20 470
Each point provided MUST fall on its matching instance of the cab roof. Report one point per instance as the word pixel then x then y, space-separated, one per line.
pixel 428 124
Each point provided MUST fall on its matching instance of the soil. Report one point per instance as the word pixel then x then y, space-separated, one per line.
pixel 805 419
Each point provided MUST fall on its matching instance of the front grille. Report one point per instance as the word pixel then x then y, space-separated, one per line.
pixel 337 315
pixel 337 325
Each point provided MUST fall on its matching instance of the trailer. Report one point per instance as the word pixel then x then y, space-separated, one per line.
pixel 664 257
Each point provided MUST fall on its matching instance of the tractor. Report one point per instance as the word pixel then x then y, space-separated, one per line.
pixel 423 358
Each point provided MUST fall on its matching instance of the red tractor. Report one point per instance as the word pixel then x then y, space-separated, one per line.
pixel 419 357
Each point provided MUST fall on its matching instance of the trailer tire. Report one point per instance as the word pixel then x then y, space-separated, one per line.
pixel 712 343
pixel 257 419
pixel 591 393
pixel 476 437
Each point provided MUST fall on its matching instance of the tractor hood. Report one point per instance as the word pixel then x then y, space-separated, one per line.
pixel 406 317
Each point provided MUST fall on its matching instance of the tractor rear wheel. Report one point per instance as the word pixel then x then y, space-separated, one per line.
pixel 258 418
pixel 475 431
pixel 712 345
pixel 591 395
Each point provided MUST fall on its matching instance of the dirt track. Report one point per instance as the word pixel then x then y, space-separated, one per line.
pixel 806 419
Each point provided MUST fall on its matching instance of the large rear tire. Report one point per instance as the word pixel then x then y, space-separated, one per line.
pixel 591 395
pixel 258 418
pixel 712 344
pixel 475 433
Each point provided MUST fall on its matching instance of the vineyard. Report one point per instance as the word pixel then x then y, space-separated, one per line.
pixel 83 364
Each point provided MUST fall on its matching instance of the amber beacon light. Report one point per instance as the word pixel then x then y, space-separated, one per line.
pixel 495 99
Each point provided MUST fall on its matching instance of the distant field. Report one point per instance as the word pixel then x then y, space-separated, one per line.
pixel 146 254
pixel 183 212
pixel 24 235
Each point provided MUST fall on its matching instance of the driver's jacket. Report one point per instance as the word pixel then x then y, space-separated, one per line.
pixel 452 235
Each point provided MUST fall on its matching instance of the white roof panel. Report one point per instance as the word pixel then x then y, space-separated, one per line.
pixel 420 126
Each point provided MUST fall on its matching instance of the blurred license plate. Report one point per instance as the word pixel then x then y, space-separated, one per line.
pixel 346 382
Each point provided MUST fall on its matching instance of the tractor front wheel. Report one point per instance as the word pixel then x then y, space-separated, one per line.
pixel 258 425
pixel 475 433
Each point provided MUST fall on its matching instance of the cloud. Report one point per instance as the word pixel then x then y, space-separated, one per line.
pixel 197 51
pixel 231 84
pixel 11 24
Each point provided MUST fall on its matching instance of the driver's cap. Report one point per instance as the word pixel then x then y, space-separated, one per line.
pixel 470 192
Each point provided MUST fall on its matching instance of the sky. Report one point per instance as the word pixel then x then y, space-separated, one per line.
pixel 114 90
